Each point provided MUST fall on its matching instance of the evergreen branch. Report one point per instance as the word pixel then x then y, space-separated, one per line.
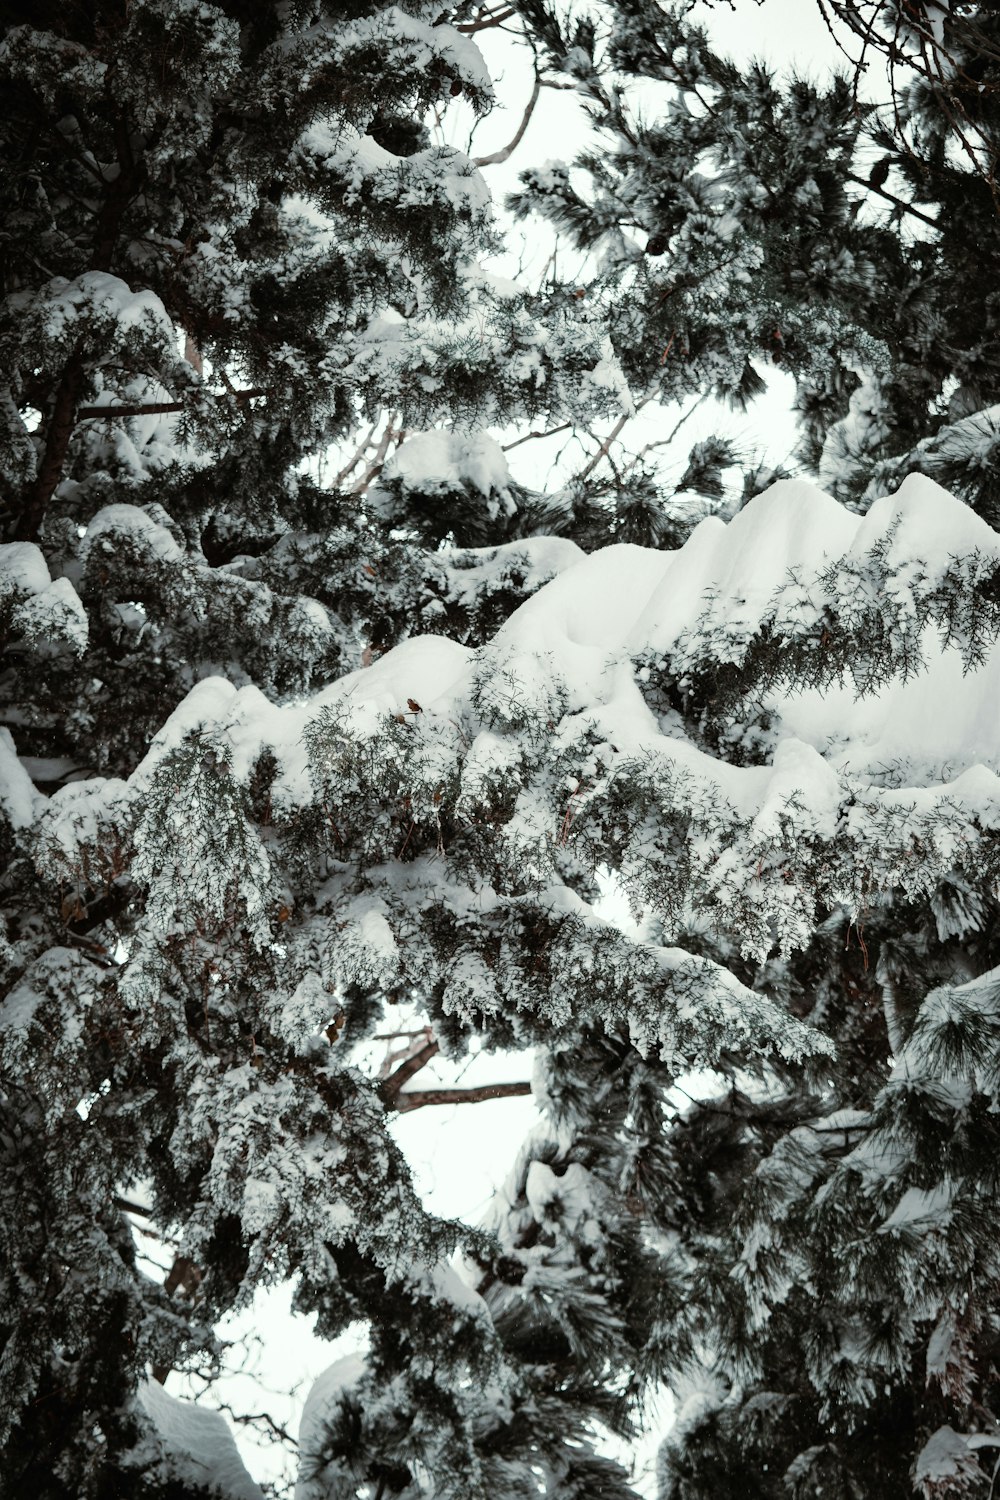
pixel 421 1099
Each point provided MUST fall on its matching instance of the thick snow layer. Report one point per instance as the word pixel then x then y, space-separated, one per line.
pixel 22 569
pixel 922 1210
pixel 790 529
pixel 567 654
pixel 923 520
pixel 437 462
pixel 19 801
pixel 46 612
pixel 567 1198
pixel 148 537
pixel 532 561
pixel 595 603
pixel 97 295
pixel 198 1444
pixel 942 720
pixel 564 720
pixel 326 1389
pixel 946 1464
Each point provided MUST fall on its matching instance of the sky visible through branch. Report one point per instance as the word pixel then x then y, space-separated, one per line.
pixel 460 1154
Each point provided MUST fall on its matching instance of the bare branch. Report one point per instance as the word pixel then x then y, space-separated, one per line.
pixel 391 1086
pixel 391 1036
pixel 353 462
pixel 374 469
pixel 158 408
pixel 128 1207
pixel 193 354
pixel 420 1099
pixel 248 1419
pixel 563 427
pixel 488 19
pixel 495 157
pixel 602 451
pixel 59 430
pixel 899 202
pixel 665 442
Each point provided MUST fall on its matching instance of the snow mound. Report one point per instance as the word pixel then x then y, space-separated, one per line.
pixel 198 1444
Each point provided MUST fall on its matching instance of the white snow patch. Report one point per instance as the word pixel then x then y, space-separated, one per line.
pixel 199 1444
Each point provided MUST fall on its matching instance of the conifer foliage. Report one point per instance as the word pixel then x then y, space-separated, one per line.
pixel 277 756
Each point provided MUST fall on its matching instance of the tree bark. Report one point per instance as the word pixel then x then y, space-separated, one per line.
pixel 57 437
pixel 421 1098
pixel 62 419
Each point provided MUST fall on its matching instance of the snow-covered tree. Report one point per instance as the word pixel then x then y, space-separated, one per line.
pixel 278 754
pixel 228 238
pixel 745 219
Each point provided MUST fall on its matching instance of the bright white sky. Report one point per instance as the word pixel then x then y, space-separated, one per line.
pixel 460 1154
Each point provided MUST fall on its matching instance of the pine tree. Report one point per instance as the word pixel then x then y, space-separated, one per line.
pixel 275 758
pixel 227 238
pixel 838 1334
pixel 754 220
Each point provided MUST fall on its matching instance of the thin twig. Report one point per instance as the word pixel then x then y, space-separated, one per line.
pixel 563 427
pixel 665 442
